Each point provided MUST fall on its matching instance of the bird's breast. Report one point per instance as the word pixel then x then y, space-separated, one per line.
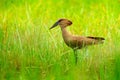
pixel 71 42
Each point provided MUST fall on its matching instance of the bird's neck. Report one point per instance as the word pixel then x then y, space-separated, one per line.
pixel 65 32
pixel 66 35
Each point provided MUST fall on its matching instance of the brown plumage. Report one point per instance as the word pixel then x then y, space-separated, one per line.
pixel 74 41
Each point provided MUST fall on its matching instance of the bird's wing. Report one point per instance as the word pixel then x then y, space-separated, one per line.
pixel 96 38
pixel 80 41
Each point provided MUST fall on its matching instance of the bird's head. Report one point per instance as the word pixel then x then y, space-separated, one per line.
pixel 62 22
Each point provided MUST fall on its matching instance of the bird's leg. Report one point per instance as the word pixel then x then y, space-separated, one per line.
pixel 75 55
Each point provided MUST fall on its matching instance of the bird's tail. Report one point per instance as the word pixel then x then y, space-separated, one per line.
pixel 98 39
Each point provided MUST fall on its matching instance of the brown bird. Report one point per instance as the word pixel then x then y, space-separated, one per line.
pixel 74 41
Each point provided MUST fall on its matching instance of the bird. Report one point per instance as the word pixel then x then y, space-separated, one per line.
pixel 75 41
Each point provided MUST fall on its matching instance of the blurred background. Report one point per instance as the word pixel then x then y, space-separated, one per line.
pixel 30 51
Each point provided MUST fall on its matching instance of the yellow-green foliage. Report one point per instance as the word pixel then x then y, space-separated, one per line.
pixel 30 51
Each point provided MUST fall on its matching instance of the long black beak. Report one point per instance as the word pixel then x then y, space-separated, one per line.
pixel 54 25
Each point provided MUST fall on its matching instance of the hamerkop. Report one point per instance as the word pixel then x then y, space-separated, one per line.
pixel 74 41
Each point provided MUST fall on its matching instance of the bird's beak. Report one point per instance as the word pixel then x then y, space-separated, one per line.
pixel 54 25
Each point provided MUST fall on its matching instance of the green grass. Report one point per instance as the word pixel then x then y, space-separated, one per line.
pixel 30 51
